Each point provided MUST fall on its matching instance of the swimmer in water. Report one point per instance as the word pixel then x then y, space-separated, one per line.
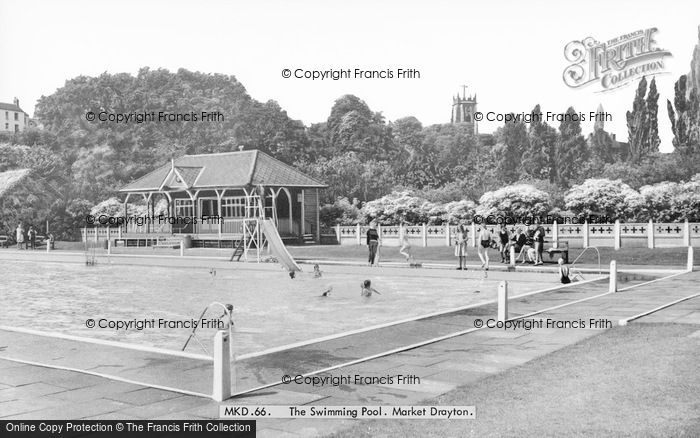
pixel 367 290
pixel 327 292
pixel 317 271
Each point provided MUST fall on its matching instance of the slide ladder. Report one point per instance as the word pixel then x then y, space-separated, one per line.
pixel 238 250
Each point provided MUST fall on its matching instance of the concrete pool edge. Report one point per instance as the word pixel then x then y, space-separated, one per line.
pixel 138 347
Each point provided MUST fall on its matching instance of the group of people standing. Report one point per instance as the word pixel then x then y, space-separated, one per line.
pixel 25 239
pixel 528 246
pixel 527 242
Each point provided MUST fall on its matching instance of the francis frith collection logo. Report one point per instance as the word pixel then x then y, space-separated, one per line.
pixel 613 63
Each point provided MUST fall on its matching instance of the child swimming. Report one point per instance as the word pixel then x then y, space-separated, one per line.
pixel 317 271
pixel 367 290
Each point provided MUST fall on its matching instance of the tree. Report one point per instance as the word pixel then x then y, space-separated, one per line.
pixel 512 141
pixel 571 150
pixel 602 147
pixel 685 118
pixel 538 157
pixel 652 109
pixel 642 122
pixel 353 127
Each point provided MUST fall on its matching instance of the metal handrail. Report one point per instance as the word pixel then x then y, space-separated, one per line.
pixel 228 308
pixel 600 271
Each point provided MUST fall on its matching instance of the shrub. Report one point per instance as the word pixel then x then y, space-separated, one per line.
pixel 340 212
pixel 604 197
pixel 516 201
pixel 397 207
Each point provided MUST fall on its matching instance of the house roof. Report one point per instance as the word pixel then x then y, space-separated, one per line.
pixel 229 169
pixel 10 107
pixel 10 178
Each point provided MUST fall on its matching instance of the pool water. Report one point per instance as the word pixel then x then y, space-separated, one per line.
pixel 270 309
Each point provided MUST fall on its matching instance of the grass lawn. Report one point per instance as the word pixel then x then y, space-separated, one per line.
pixel 638 380
pixel 625 256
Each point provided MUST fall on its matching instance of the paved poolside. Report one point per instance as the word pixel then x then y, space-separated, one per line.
pixel 30 391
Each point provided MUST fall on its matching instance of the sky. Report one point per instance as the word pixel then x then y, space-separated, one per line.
pixel 510 53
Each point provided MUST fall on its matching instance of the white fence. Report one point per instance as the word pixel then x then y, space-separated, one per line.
pixel 647 235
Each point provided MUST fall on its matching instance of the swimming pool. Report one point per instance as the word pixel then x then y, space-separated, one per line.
pixel 271 310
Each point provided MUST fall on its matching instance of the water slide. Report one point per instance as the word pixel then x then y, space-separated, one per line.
pixel 277 246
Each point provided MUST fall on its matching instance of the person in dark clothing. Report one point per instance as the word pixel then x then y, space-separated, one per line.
pixel 31 238
pixel 372 243
pixel 563 272
pixel 503 239
pixel 539 244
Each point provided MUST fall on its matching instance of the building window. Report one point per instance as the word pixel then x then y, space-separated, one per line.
pixel 210 207
pixel 233 207
pixel 7 126
pixel 184 208
pixel 7 115
pixel 16 128
pixel 16 116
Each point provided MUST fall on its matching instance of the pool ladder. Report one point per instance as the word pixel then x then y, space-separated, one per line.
pixel 577 272
pixel 228 313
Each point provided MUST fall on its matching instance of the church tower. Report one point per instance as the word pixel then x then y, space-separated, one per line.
pixel 463 109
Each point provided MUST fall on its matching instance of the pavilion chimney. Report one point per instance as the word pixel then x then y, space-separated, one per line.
pixel 16 101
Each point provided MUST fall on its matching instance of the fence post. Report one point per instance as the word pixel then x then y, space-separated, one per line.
pixel 448 237
pixel 359 238
pixel 690 259
pixel 120 232
pixel 95 230
pixel 337 233
pixel 182 248
pixel 109 246
pixel 686 233
pixel 425 235
pixel 503 301
pixel 650 234
pixel 222 366
pixel 585 235
pixel 555 235
pixel 616 233
pixel 512 256
pixel 613 277
pixel 379 231
pixel 472 237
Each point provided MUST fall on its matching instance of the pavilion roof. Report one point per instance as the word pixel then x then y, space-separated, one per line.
pixel 223 170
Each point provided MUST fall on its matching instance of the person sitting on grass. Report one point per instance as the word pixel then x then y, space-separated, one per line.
pixel 367 290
